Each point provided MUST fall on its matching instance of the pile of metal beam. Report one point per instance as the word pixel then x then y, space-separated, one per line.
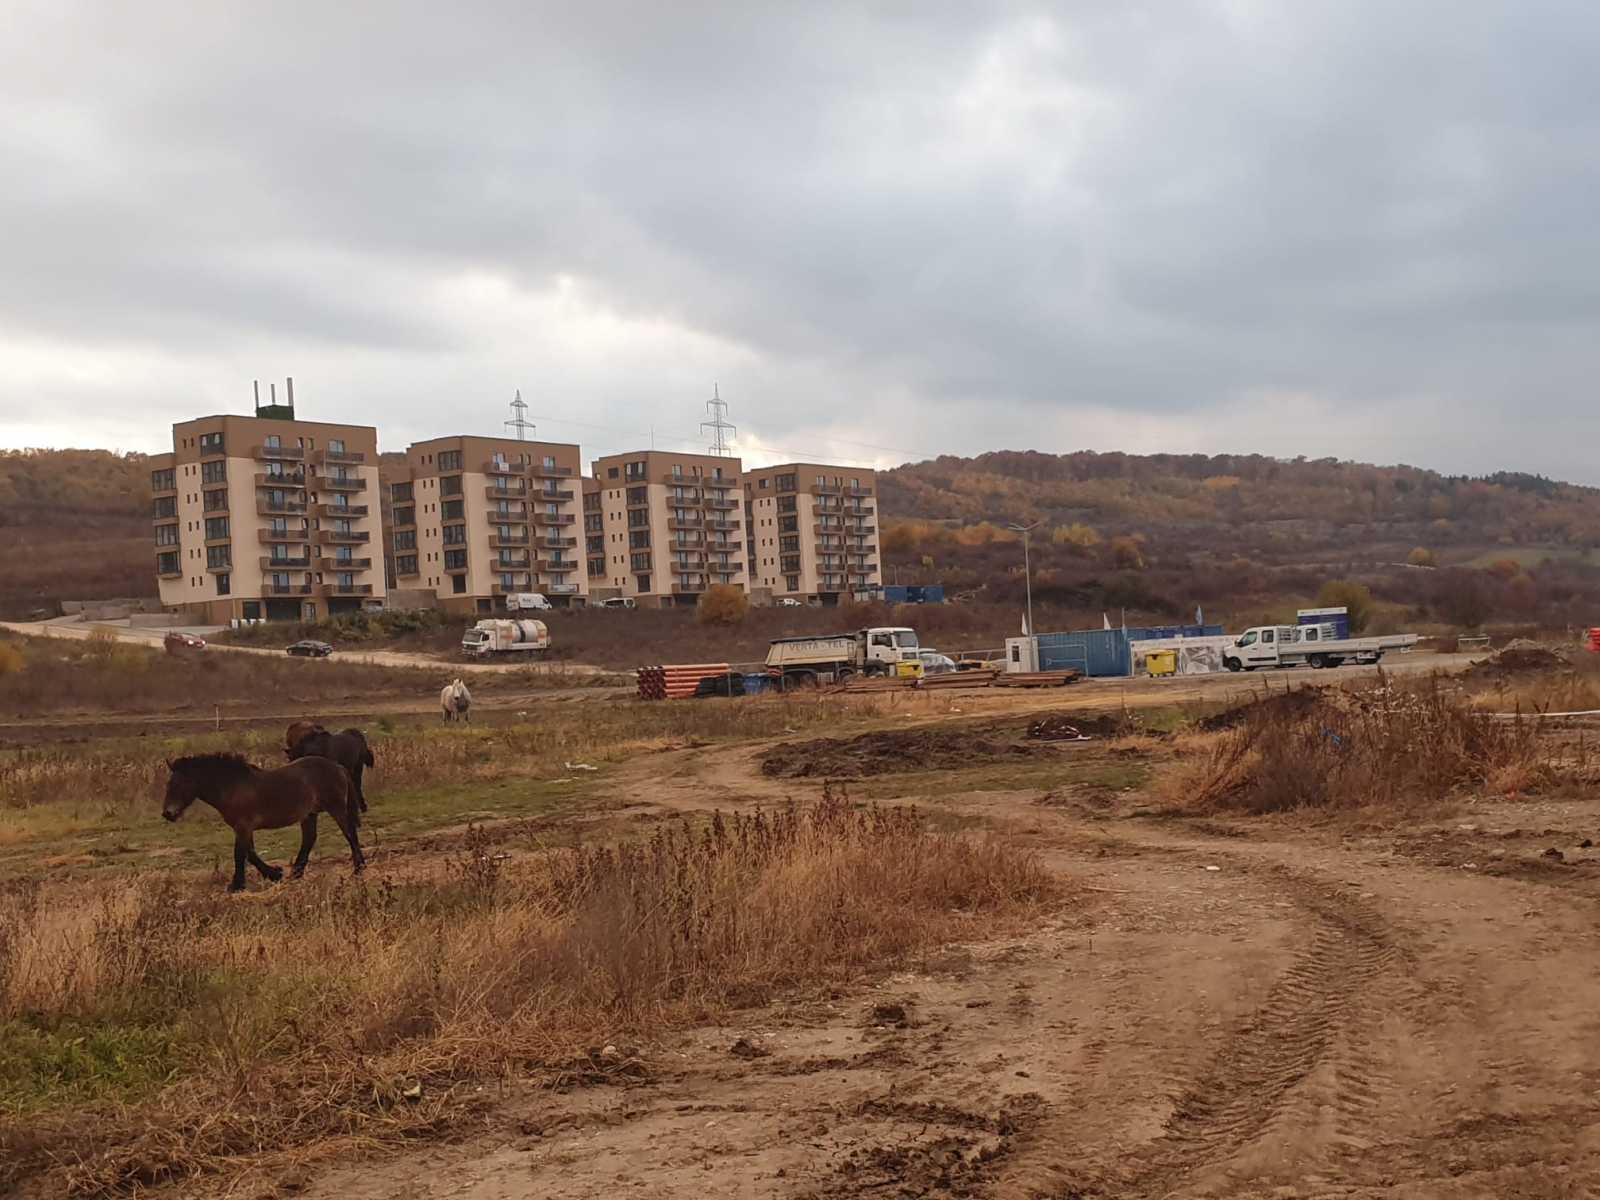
pixel 675 681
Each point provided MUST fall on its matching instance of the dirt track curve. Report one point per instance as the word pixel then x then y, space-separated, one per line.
pixel 1229 1011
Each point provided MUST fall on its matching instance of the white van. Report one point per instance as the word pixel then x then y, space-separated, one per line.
pixel 619 602
pixel 527 602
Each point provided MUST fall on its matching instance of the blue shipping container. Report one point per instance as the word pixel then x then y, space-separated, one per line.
pixel 914 593
pixel 1151 632
pixel 1093 652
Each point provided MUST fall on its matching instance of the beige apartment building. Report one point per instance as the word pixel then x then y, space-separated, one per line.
pixel 662 527
pixel 812 531
pixel 268 517
pixel 480 518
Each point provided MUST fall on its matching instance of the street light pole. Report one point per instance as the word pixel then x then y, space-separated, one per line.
pixel 1027 567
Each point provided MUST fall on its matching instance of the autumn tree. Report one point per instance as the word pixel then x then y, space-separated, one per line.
pixel 1126 553
pixel 1354 597
pixel 722 604
pixel 1420 556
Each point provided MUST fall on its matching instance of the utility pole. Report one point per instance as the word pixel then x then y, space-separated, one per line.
pixel 1027 566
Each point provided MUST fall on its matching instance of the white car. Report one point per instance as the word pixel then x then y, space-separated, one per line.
pixel 791 602
pixel 619 602
pixel 934 663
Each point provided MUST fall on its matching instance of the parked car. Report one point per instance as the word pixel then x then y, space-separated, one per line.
pixel 178 642
pixel 309 648
pixel 934 663
pixel 791 602
pixel 619 602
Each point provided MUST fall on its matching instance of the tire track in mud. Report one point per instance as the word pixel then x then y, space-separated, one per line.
pixel 1309 1018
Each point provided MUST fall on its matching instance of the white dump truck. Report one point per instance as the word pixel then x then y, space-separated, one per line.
pixel 811 660
pixel 1307 645
pixel 526 637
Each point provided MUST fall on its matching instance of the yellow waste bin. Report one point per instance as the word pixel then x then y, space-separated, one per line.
pixel 908 670
pixel 1161 662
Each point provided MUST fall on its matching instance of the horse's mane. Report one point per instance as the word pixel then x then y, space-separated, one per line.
pixel 221 760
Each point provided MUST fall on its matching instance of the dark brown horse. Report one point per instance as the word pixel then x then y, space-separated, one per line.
pixel 249 798
pixel 348 748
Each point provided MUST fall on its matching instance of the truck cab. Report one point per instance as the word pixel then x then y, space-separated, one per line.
pixel 880 651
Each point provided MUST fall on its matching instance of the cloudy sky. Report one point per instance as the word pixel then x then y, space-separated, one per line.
pixel 885 231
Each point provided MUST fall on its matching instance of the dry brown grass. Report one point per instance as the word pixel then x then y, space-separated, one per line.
pixel 336 1013
pixel 1384 746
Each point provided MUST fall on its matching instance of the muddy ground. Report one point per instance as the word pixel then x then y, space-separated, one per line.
pixel 1251 1008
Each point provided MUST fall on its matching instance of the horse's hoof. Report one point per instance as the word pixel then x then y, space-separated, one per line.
pixel 236 887
pixel 275 876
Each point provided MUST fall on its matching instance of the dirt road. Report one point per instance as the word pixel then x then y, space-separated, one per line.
pixel 380 658
pixel 1242 1010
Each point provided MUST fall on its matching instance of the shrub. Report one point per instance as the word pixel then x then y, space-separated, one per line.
pixel 1420 556
pixel 11 661
pixel 723 604
pixel 1355 597
pixel 1125 553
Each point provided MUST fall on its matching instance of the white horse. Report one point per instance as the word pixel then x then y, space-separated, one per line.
pixel 456 701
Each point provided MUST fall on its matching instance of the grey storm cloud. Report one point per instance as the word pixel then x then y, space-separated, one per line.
pixel 1350 228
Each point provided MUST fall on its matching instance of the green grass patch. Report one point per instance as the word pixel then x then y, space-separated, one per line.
pixel 72 1063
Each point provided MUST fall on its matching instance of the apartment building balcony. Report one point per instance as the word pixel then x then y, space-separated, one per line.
pixel 516 562
pixel 286 589
pixel 344 589
pixel 343 537
pixel 268 537
pixel 688 589
pixel 219 568
pixel 685 498
pixel 562 589
pixel 687 560
pixel 332 483
pixel 269 563
pixel 553 495
pixel 554 520
pixel 325 509
pixel 858 510
pixel 500 589
pixel 289 480
pixel 539 471
pixel 551 542
pixel 459 569
pixel 719 482
pixel 494 467
pixel 678 523
pixel 500 541
pixel 517 494
pixel 165 491
pixel 858 492
pixel 638 561
pixel 407 572
pixel 175 571
pixel 828 530
pixel 279 508
pixel 722 505
pixel 869 548
pixel 826 489
pixel 338 456
pixel 720 526
pixel 734 566
pixel 277 453
pixel 335 563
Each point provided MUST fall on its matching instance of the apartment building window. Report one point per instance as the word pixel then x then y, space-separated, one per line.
pixel 450 485
pixel 789 545
pixel 279 553
pixel 597 568
pixel 639 539
pixel 166 535
pixel 453 510
pixel 406 515
pixel 342 527
pixel 455 560
pixel 272 441
pixel 591 502
pixel 213 472
pixel 224 580
pixel 278 526
pixel 596 545
pixel 458 585
pixel 163 481
pixel 455 535
pixel 638 495
pixel 639 562
pixel 642 582
pixel 167 563
pixel 217 501
pixel 788 483
pixel 335 445
pixel 405 540
pixel 790 563
pixel 400 492
pixel 164 506
pixel 634 470
pixel 638 518
pixel 405 564
pixel 593 523
pixel 788 524
pixel 449 460
pixel 787 504
pixel 612 472
pixel 211 443
pixel 219 556
pixel 216 527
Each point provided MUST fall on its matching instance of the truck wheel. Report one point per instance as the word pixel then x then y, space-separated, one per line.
pixel 1318 661
pixel 1334 662
pixel 1233 664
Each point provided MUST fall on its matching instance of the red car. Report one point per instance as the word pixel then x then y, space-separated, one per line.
pixel 182 643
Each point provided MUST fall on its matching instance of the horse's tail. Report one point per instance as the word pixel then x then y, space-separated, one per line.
pixel 366 756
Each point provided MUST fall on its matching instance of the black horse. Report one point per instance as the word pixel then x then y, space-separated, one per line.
pixel 348 748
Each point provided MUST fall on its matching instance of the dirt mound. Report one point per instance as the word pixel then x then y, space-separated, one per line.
pixel 896 750
pixel 1295 702
pixel 1068 727
pixel 1520 657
